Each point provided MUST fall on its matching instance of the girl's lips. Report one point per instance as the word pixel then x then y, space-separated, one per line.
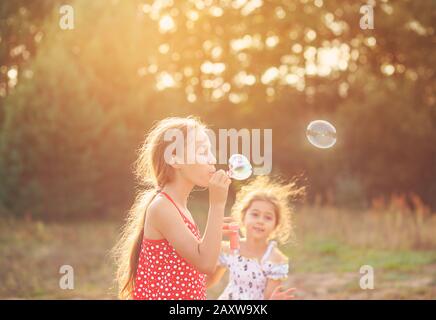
pixel 258 229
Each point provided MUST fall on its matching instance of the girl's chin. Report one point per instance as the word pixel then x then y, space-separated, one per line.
pixel 202 184
pixel 259 235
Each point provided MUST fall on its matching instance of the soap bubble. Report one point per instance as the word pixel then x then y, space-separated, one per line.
pixel 239 167
pixel 321 134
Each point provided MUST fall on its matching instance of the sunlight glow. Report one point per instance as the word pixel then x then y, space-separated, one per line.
pixel 166 24
pixel 12 73
pixel 251 6
pixel 310 35
pixel 302 59
pixel 388 69
pixel 165 80
pixel 216 11
pixel 243 79
pixel 292 79
pixel 270 75
pixel 213 68
pixel 164 48
pixel 248 41
pixel 272 41
pixel 13 77
pixel 192 15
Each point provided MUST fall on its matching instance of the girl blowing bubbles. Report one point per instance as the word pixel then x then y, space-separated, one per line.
pixel 160 254
pixel 257 268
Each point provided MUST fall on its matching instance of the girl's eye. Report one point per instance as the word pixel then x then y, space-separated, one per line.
pixel 268 218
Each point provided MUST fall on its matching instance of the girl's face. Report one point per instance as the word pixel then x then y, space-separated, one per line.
pixel 201 165
pixel 260 219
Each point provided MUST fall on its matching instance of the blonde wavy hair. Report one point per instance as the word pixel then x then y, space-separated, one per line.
pixel 276 192
pixel 153 173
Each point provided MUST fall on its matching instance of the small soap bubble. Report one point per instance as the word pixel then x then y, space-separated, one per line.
pixel 321 134
pixel 239 167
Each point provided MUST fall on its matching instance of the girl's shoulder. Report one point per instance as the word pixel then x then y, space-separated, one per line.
pixel 278 257
pixel 162 210
pixel 158 205
pixel 277 265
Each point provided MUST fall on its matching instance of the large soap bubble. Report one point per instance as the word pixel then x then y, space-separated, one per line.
pixel 321 134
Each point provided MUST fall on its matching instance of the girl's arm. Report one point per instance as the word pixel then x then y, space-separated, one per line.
pixel 271 286
pixel 275 291
pixel 274 288
pixel 215 277
pixel 202 254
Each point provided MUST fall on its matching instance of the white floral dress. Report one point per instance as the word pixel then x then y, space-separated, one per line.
pixel 248 277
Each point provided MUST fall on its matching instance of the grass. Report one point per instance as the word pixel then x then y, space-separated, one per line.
pixel 33 252
pixel 325 263
pixel 331 255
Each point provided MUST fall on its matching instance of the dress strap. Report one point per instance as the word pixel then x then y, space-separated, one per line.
pixel 181 213
pixel 268 250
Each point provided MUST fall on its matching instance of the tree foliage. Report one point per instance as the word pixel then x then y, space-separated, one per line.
pixel 83 99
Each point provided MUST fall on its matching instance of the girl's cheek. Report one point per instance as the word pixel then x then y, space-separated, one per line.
pixel 271 225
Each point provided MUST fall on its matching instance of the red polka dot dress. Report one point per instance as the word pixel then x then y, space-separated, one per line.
pixel 162 274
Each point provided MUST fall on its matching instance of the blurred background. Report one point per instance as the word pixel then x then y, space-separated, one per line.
pixel 76 104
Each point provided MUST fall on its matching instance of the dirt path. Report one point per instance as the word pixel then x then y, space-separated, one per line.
pixel 387 285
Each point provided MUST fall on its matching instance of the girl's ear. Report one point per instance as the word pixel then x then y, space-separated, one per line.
pixel 175 163
pixel 277 216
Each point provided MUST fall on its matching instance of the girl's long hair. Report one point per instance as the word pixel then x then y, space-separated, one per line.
pixel 153 172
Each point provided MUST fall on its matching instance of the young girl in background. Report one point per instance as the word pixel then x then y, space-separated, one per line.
pixel 258 268
pixel 160 254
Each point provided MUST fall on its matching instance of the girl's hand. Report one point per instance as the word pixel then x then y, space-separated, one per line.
pixel 283 295
pixel 218 188
pixel 226 224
